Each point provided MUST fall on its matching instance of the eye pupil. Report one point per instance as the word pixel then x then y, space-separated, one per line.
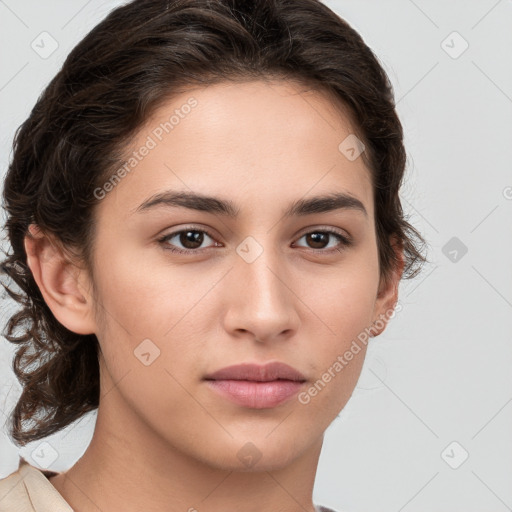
pixel 191 237
pixel 317 238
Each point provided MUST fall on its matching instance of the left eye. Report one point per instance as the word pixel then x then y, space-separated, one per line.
pixel 192 239
pixel 321 236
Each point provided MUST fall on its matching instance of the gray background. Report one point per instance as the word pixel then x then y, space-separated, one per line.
pixel 441 372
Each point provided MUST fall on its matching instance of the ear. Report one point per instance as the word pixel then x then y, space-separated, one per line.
pixel 387 295
pixel 62 284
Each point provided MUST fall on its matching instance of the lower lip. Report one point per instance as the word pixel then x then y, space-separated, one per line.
pixel 257 395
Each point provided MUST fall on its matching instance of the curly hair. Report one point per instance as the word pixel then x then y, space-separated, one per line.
pixel 133 61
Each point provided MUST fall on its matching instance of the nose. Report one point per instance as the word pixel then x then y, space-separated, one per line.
pixel 261 304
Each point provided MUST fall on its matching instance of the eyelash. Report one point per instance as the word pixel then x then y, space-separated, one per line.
pixel 344 241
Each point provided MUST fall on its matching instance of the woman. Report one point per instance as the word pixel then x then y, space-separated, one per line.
pixel 205 222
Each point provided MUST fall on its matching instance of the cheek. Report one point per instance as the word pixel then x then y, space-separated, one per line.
pixel 343 298
pixel 348 316
pixel 164 304
pixel 141 297
pixel 345 305
pixel 147 320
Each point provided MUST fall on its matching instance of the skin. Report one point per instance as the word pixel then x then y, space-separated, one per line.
pixel 163 440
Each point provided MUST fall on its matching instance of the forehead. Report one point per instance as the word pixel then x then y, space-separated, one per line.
pixel 271 141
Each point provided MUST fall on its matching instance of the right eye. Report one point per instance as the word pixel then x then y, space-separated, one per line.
pixel 191 238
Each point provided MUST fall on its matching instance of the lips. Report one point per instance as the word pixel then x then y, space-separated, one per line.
pixel 258 373
pixel 256 387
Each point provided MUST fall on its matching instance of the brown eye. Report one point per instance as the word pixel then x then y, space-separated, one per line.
pixel 319 240
pixel 189 239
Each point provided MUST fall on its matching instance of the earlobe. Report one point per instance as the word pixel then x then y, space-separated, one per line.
pixel 58 280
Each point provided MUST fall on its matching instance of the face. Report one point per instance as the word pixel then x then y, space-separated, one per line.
pixel 190 286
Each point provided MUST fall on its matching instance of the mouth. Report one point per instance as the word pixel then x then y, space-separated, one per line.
pixel 258 373
pixel 256 395
pixel 256 386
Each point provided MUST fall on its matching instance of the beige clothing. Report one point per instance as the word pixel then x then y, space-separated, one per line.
pixel 29 490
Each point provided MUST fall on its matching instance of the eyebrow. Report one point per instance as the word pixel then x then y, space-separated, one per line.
pixel 215 205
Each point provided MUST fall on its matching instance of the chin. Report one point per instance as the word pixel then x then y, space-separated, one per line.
pixel 258 454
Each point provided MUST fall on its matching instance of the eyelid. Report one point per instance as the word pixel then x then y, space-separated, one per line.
pixel 328 229
pixel 346 240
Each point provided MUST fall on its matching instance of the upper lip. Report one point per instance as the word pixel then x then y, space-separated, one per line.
pixel 260 373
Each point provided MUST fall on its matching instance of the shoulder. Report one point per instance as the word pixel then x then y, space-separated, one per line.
pixel 28 489
pixel 319 508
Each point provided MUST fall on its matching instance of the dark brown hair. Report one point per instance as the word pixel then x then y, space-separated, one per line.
pixel 138 57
